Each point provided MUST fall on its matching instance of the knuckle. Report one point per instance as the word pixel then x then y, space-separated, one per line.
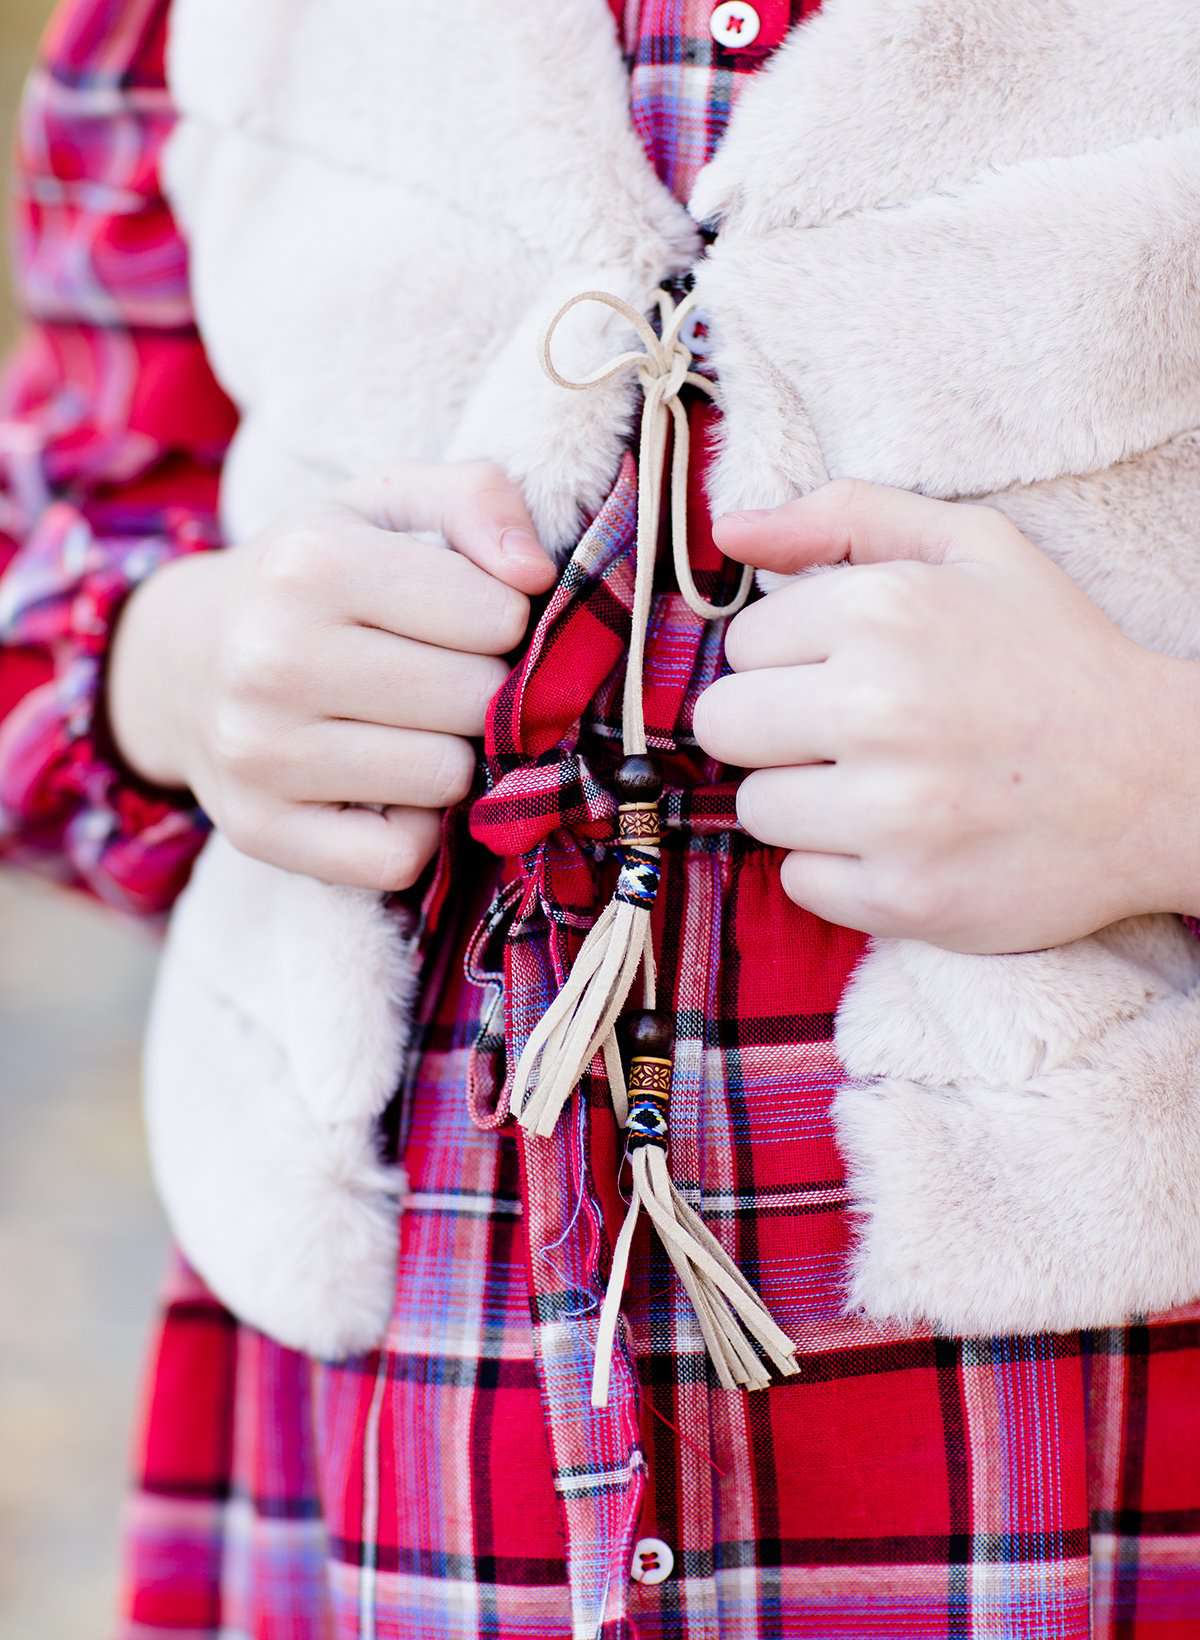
pixel 489 477
pixel 905 901
pixel 483 490
pixel 925 904
pixel 243 824
pixel 236 742
pixel 905 805
pixel 868 709
pixel 988 522
pixel 887 597
pixel 1006 537
pixel 882 900
pixel 888 708
pixel 908 818
pixel 909 692
pixel 844 494
pixel 977 515
pixel 933 797
pixel 292 560
pixel 258 662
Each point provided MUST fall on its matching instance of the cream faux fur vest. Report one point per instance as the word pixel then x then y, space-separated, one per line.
pixel 959 251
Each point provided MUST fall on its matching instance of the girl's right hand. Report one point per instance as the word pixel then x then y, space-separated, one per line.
pixel 335 660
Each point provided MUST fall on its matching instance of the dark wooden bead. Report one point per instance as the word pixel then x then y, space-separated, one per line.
pixel 648 1034
pixel 638 781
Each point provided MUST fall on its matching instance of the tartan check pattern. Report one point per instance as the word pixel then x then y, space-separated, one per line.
pixel 112 434
pixel 685 84
pixel 456 1482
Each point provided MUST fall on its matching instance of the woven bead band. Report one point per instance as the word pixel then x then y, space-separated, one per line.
pixel 639 879
pixel 649 1101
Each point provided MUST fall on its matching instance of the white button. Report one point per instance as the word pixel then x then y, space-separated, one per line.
pixel 734 24
pixel 694 333
pixel 653 1561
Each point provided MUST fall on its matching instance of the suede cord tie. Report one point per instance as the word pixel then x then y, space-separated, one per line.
pixel 583 1018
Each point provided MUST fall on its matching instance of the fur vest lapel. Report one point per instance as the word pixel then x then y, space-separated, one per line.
pixel 959 251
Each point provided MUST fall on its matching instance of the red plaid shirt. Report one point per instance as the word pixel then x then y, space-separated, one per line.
pixel 112 433
pixel 456 1482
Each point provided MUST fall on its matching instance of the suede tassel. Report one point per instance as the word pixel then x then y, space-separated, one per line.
pixel 728 1309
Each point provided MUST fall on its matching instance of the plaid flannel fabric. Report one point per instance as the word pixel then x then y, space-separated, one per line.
pixel 685 81
pixel 112 432
pixel 456 1482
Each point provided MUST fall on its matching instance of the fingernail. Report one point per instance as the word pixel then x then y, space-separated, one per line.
pixel 521 543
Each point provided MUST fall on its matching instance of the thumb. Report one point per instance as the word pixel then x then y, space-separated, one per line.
pixel 474 504
pixel 851 521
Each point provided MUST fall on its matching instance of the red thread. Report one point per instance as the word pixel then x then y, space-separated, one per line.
pixel 694 1445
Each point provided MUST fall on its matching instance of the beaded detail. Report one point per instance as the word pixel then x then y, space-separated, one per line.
pixel 639 879
pixel 639 832
pixel 639 823
pixel 649 1102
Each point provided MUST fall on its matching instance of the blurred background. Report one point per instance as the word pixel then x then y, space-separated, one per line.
pixel 81 1240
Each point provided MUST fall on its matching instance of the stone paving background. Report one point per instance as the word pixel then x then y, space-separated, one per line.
pixel 81 1241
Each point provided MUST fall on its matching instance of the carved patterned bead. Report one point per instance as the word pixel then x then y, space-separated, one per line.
pixel 650 1076
pixel 639 823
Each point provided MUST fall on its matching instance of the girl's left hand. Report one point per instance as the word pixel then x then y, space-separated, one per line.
pixel 950 737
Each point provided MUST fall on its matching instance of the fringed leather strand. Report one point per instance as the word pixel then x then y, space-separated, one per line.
pixel 582 1019
pixel 728 1309
pixel 585 1011
pixel 583 1014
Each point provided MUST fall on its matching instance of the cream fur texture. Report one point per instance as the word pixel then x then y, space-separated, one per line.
pixel 1027 1158
pixel 276 1040
pixel 959 251
pixel 1004 303
pixel 372 273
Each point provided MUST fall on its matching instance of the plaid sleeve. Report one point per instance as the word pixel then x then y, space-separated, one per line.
pixel 112 434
